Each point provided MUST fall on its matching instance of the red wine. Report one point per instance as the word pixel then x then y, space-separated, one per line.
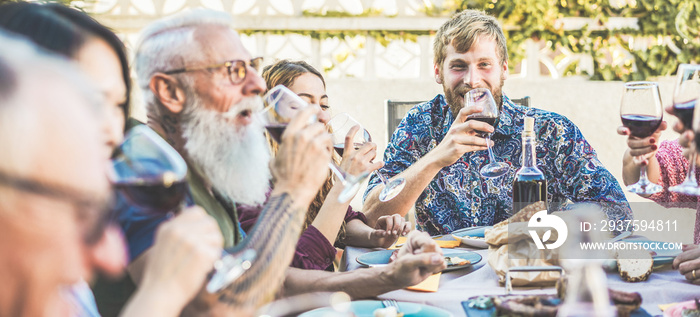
pixel 275 131
pixel 640 125
pixel 340 147
pixel 154 196
pixel 493 121
pixel 527 189
pixel 684 112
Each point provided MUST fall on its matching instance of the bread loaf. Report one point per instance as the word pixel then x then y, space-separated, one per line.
pixel 634 265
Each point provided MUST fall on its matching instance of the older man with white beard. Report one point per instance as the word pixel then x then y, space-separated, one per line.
pixel 202 89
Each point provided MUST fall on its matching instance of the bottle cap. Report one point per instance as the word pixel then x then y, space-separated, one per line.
pixel 529 124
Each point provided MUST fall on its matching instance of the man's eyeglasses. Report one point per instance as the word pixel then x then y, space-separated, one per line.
pixel 237 69
pixel 84 204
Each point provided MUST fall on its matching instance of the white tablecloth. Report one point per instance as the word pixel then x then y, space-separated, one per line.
pixel 664 286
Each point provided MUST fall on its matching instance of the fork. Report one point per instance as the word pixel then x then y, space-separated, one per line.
pixel 391 303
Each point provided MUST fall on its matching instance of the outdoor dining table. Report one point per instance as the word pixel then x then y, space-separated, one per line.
pixel 664 286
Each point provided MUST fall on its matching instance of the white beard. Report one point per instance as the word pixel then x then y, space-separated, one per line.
pixel 234 159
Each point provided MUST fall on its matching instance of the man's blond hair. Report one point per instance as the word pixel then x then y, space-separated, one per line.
pixel 464 29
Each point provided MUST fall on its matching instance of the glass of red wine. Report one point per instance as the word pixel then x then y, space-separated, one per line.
pixel 696 131
pixel 282 105
pixel 340 126
pixel 641 112
pixel 685 95
pixel 149 172
pixel 151 175
pixel 482 97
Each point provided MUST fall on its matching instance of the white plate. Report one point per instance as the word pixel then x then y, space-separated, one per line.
pixel 473 237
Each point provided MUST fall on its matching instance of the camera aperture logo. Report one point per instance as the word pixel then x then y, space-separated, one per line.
pixel 543 220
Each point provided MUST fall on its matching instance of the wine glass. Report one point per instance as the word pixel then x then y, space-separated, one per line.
pixel 696 144
pixel 151 175
pixel 641 112
pixel 340 126
pixel 482 97
pixel 281 106
pixel 685 94
pixel 149 172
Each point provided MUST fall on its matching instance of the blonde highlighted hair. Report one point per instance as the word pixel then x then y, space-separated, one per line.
pixel 285 72
pixel 464 29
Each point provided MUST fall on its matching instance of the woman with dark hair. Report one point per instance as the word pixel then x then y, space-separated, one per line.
pixel 328 222
pixel 98 52
pixel 101 56
pixel 94 28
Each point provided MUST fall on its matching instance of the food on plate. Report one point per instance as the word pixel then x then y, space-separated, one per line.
pixel 625 302
pixel 526 305
pixel 548 305
pixel 455 260
pixel 393 256
pixel 450 260
pixel 634 265
pixel 387 312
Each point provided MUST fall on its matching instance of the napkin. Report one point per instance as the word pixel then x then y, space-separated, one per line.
pixel 399 241
pixel 664 307
pixel 429 285
pixel 447 244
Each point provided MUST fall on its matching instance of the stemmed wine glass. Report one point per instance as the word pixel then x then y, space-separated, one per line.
pixel 340 126
pixel 482 97
pixel 685 94
pixel 696 144
pixel 281 106
pixel 149 172
pixel 151 175
pixel 641 112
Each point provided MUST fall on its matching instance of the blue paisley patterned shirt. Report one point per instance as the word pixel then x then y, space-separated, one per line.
pixel 459 197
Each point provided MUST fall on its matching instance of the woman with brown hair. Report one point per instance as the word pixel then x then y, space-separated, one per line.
pixel 328 222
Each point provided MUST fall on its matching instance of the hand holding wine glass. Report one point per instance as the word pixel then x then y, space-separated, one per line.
pixel 151 175
pixel 685 94
pixel 641 112
pixel 349 136
pixel 282 106
pixel 184 251
pixel 642 148
pixel 482 97
pixel 353 144
pixel 300 164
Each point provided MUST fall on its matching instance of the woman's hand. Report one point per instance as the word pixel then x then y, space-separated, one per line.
pixel 688 263
pixel 358 161
pixel 388 229
pixel 642 149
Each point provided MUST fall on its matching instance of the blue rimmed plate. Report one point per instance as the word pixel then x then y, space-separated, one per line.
pixel 381 257
pixel 366 308
pixel 473 237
